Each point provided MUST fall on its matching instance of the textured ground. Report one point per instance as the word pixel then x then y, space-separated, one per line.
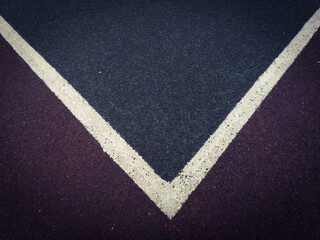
pixel 57 183
pixel 165 75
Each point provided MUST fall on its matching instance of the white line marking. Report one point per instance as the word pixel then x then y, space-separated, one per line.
pixel 168 196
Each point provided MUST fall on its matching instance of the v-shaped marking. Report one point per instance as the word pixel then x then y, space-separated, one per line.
pixel 168 196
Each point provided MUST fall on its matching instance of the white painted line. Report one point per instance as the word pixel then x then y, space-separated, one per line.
pixel 168 196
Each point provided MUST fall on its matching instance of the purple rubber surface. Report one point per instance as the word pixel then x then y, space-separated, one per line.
pixel 57 183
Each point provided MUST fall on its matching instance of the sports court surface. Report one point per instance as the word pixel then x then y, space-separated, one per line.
pixel 159 119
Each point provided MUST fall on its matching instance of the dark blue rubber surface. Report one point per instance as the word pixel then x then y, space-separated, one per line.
pixel 164 74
